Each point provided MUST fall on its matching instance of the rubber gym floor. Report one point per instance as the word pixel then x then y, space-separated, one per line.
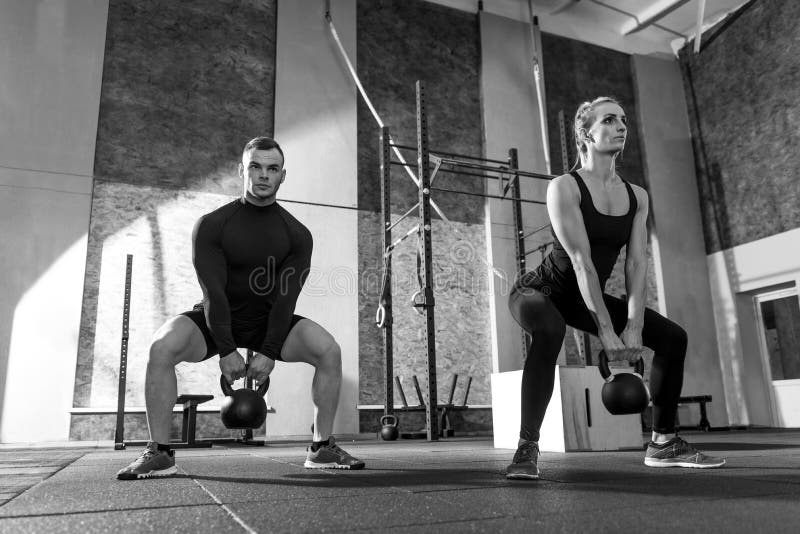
pixel 452 485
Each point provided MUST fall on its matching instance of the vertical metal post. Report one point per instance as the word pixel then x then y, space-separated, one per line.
pixel 386 298
pixel 119 435
pixel 519 242
pixel 423 165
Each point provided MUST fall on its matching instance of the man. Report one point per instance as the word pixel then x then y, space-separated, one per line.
pixel 251 257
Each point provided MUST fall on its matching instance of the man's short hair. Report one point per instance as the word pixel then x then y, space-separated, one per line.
pixel 263 143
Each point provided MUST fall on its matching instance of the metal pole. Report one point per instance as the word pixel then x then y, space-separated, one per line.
pixel 423 164
pixel 519 242
pixel 386 298
pixel 119 435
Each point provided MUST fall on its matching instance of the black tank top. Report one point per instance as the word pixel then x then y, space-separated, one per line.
pixel 607 235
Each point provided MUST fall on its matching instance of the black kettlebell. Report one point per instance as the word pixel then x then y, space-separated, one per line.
pixel 623 393
pixel 389 431
pixel 243 408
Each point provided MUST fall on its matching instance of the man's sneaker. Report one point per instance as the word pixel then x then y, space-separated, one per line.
pixel 677 453
pixel 151 463
pixel 523 466
pixel 331 456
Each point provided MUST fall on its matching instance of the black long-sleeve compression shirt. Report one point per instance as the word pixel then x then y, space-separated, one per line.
pixel 251 262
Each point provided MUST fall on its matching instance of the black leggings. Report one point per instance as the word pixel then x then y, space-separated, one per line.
pixel 545 320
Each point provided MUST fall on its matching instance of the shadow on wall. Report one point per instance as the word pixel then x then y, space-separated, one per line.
pixel 155 226
pixel 38 258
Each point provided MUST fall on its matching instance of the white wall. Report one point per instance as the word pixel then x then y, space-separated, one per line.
pixel 51 57
pixel 679 252
pixel 315 123
pixel 511 120
pixel 734 273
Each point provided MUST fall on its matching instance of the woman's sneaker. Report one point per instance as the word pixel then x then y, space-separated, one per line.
pixel 524 465
pixel 331 456
pixel 151 463
pixel 677 453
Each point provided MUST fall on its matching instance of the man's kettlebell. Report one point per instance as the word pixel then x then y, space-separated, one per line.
pixel 623 393
pixel 243 408
pixel 389 431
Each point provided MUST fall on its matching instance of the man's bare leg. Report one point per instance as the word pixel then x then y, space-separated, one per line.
pixel 310 343
pixel 178 340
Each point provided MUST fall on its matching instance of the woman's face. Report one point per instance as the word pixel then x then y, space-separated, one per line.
pixel 609 129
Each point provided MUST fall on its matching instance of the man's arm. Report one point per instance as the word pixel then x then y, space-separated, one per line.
pixel 209 263
pixel 291 277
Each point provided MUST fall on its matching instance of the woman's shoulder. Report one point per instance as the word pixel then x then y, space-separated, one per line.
pixel 565 184
pixel 639 191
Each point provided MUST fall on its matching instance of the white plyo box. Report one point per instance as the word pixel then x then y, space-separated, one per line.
pixel 575 420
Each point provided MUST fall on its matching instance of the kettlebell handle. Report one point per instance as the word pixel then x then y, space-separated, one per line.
pixel 389 417
pixel 227 389
pixel 605 372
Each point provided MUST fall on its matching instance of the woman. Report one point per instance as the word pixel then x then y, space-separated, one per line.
pixel 594 213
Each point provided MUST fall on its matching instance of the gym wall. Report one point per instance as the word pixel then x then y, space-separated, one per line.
pixel 51 60
pixel 743 95
pixel 184 87
pixel 742 92
pixel 400 42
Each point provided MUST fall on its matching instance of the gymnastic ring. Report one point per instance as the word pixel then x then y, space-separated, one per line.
pixel 417 304
pixel 380 316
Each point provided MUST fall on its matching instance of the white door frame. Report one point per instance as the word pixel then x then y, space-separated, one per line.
pixel 758 299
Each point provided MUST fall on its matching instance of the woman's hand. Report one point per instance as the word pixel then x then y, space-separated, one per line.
pixel 632 338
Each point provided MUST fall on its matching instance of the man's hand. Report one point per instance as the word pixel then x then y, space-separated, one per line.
pixel 232 366
pixel 260 367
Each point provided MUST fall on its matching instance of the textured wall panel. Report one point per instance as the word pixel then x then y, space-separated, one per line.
pixel 462 303
pixel 743 94
pixel 185 86
pixel 575 72
pixel 400 42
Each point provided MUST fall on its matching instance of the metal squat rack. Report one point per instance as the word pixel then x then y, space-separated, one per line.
pixel 444 162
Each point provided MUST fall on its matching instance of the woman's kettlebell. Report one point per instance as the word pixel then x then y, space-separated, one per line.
pixel 389 431
pixel 623 393
pixel 243 408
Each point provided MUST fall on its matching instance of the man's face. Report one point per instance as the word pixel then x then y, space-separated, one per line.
pixel 262 172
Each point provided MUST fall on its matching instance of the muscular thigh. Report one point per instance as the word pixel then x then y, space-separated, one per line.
pixel 182 339
pixel 307 342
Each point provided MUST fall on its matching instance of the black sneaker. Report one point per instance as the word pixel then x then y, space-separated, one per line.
pixel 151 463
pixel 331 456
pixel 677 453
pixel 523 466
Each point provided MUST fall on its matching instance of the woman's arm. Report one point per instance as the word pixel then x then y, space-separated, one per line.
pixel 636 271
pixel 563 206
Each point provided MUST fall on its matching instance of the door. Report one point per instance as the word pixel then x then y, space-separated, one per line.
pixel 778 315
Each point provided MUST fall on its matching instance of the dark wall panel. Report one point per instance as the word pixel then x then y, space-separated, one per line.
pixel 576 72
pixel 743 95
pixel 185 85
pixel 400 42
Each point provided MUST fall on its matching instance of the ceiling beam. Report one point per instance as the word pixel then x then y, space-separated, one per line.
pixel 652 14
pixel 563 6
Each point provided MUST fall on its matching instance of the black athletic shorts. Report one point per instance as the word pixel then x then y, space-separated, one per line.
pixel 250 337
